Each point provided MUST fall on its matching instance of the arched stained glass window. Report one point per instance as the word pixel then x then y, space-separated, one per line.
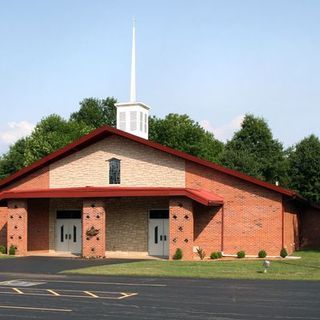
pixel 114 171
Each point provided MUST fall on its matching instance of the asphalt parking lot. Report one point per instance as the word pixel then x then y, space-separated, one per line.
pixel 56 296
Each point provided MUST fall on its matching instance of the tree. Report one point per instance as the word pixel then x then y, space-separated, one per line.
pixel 182 133
pixel 50 134
pixel 254 151
pixel 304 168
pixel 96 112
pixel 13 160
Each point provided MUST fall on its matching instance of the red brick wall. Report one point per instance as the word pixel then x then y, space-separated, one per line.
pixel 94 215
pixel 181 227
pixel 38 224
pixel 36 180
pixel 18 225
pixel 291 231
pixel 207 228
pixel 310 228
pixel 3 225
pixel 252 214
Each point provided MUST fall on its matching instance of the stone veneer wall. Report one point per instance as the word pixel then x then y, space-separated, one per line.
pixel 140 166
pixel 128 221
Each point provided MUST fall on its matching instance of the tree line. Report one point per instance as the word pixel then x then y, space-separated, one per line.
pixel 252 150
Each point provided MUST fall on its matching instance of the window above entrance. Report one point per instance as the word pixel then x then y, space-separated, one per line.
pixel 114 171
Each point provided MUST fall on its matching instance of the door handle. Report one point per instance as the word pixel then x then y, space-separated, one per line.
pixel 161 238
pixel 165 238
pixel 66 237
pixel 69 236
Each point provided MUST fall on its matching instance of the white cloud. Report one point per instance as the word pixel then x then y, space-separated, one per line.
pixel 14 131
pixel 226 131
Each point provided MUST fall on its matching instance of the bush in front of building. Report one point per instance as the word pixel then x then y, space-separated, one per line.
pixel 283 253
pixel 262 254
pixel 12 250
pixel 216 255
pixel 241 254
pixel 3 249
pixel 201 253
pixel 178 254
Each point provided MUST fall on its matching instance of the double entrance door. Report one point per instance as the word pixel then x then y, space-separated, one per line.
pixel 68 231
pixel 159 233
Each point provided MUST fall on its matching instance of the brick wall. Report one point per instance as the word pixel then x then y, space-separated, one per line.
pixel 140 166
pixel 94 217
pixel 36 180
pixel 18 225
pixel 38 224
pixel 181 227
pixel 3 225
pixel 207 228
pixel 291 231
pixel 310 228
pixel 252 214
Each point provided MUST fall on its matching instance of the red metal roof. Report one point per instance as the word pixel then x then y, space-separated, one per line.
pixel 201 196
pixel 105 131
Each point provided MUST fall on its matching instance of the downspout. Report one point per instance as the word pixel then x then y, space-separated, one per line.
pixel 222 229
pixel 282 217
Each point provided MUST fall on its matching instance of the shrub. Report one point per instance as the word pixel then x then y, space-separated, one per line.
pixel 3 249
pixel 262 254
pixel 12 250
pixel 178 254
pixel 283 252
pixel 216 255
pixel 241 254
pixel 201 253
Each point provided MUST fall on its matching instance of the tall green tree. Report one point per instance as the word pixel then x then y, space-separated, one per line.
pixel 50 134
pixel 304 168
pixel 13 160
pixel 254 151
pixel 182 133
pixel 95 112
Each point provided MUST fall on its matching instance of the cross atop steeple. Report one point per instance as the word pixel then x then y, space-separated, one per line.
pixel 133 64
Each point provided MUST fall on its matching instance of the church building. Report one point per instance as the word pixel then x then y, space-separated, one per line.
pixel 114 191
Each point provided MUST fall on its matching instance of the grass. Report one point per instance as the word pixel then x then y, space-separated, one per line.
pixel 5 256
pixel 306 268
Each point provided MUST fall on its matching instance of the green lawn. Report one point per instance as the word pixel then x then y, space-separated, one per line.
pixel 306 268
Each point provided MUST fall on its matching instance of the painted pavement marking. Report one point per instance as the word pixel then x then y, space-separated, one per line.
pixel 34 309
pixel 91 294
pixel 17 290
pixel 20 283
pixel 53 292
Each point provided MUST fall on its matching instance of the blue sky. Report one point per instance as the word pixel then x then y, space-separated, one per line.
pixel 214 60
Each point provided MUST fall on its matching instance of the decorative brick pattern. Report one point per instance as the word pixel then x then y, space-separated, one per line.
pixel 94 219
pixel 18 226
pixel 140 166
pixel 181 227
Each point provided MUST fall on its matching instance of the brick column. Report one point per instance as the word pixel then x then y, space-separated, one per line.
pixel 181 227
pixel 93 228
pixel 17 228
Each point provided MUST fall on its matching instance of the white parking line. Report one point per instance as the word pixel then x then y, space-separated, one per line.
pixel 17 290
pixel 91 294
pixel 53 292
pixel 35 309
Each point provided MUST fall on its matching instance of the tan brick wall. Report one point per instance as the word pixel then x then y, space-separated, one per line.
pixel 128 222
pixel 60 204
pixel 252 214
pixel 140 166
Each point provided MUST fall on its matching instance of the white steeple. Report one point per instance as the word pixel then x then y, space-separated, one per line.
pixel 133 116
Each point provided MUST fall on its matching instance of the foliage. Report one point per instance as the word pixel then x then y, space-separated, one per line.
pixel 241 254
pixel 95 112
pixel 3 249
pixel 283 253
pixel 201 253
pixel 254 151
pixel 182 133
pixel 262 254
pixel 12 250
pixel 178 254
pixel 51 134
pixel 304 168
pixel 13 160
pixel 216 255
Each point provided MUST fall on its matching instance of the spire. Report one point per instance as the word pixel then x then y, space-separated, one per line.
pixel 133 64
